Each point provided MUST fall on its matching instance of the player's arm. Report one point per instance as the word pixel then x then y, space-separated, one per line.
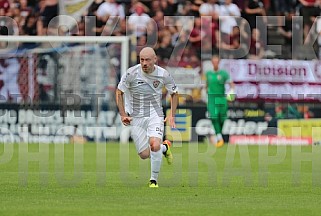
pixel 120 102
pixel 173 91
pixel 125 119
pixel 230 96
pixel 174 103
pixel 121 88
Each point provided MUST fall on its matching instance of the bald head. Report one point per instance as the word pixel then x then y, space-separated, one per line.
pixel 147 59
pixel 147 51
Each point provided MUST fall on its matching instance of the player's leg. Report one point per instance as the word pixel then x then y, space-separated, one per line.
pixel 221 119
pixel 218 130
pixel 214 113
pixel 155 160
pixel 167 152
pixel 139 136
pixel 155 134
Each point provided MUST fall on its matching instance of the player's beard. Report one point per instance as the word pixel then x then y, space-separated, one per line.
pixel 147 69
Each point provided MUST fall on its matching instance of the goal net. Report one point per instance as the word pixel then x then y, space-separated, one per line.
pixel 58 69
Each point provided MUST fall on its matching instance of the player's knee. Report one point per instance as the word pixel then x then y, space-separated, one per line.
pixel 144 155
pixel 154 146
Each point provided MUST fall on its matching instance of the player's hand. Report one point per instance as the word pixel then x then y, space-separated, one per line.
pixel 171 120
pixel 126 120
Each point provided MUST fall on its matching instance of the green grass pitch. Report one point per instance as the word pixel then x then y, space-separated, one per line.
pixel 110 179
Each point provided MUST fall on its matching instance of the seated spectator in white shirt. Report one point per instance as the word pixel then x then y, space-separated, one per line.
pixel 109 14
pixel 139 20
pixel 110 8
pixel 228 13
pixel 210 8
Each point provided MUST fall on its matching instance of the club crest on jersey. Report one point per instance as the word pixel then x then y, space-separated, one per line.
pixel 156 83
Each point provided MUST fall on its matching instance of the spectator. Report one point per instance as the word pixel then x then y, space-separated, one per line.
pixel 189 8
pixel 30 26
pixel 165 49
pixel 81 28
pixel 307 10
pixel 195 8
pixel 196 36
pixel 14 13
pixel 155 7
pixel 108 14
pixel 180 43
pixel 256 46
pixel 211 33
pixel 168 7
pixel 92 10
pixel 240 4
pixel 187 57
pixel 207 49
pixel 110 8
pixel 228 12
pixel 210 8
pixel 138 21
pixel 94 25
pixel 25 10
pixel 141 43
pixel 48 12
pixel 132 7
pixel 286 33
pixel 230 43
pixel 4 6
pixel 39 7
pixel 151 34
pixel 121 29
pixel 253 9
pixel 282 6
pixel 159 19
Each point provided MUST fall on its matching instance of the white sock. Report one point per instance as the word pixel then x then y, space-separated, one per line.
pixel 219 137
pixel 163 148
pixel 155 162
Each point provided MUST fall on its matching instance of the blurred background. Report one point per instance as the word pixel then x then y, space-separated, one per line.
pixel 271 48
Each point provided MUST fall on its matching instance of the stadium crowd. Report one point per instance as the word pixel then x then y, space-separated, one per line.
pixel 188 36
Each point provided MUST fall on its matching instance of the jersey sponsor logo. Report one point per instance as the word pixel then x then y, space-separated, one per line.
pixel 174 87
pixel 140 82
pixel 156 83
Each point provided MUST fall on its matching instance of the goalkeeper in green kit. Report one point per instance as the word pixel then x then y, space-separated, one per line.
pixel 217 100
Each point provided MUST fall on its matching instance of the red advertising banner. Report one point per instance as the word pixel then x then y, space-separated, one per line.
pixel 274 79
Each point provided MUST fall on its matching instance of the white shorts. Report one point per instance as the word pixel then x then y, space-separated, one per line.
pixel 145 127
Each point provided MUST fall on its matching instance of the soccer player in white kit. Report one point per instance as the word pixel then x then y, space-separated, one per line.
pixel 142 87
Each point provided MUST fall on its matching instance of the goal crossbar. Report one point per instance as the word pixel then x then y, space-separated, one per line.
pixel 123 40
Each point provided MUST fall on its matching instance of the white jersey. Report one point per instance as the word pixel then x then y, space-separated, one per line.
pixel 143 92
pixel 227 17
